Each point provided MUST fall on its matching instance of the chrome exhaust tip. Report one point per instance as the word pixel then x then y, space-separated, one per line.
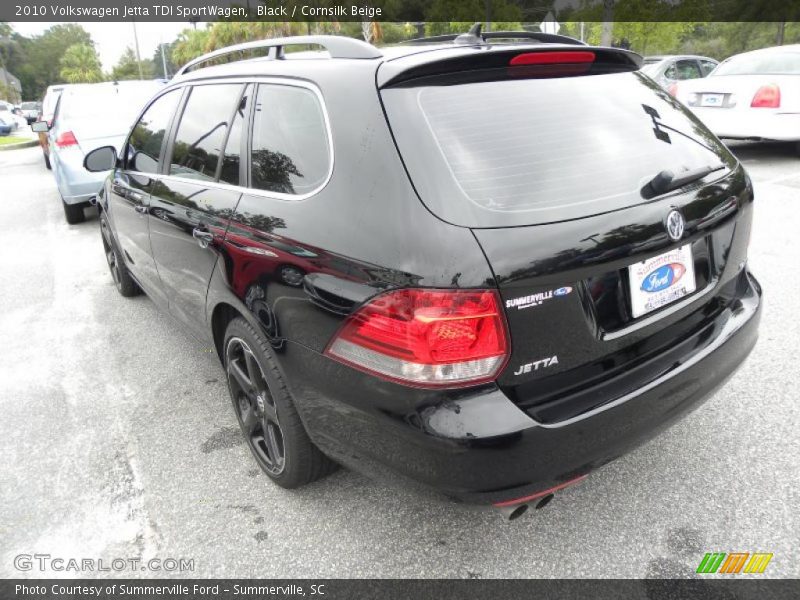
pixel 515 511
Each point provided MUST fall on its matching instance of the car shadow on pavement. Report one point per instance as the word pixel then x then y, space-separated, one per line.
pixel 764 150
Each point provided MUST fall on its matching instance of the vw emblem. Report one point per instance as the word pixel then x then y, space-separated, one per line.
pixel 675 225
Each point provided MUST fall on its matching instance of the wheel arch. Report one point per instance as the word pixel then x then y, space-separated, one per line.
pixel 222 314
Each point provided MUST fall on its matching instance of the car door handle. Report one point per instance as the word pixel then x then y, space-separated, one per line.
pixel 142 210
pixel 203 237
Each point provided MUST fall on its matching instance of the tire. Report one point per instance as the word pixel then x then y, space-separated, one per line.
pixel 47 160
pixel 123 281
pixel 266 411
pixel 291 275
pixel 73 213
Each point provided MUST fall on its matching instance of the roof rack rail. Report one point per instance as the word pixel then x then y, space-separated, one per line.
pixel 474 36
pixel 338 46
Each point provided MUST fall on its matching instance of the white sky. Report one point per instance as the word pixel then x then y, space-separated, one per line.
pixel 111 39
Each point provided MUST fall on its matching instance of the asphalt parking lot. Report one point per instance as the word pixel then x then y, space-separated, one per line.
pixel 118 439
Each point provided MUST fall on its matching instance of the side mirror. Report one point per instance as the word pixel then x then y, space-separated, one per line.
pixel 100 159
pixel 40 126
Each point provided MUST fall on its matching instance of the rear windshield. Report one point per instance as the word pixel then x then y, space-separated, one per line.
pixel 766 63
pixel 515 152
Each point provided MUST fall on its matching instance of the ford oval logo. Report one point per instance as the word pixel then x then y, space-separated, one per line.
pixel 562 291
pixel 663 277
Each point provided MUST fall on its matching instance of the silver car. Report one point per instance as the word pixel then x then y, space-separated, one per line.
pixel 750 96
pixel 668 70
pixel 88 116
pixel 31 111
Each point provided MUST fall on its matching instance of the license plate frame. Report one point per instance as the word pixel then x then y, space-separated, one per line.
pixel 661 280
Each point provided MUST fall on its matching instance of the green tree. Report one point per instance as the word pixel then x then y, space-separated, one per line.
pixel 81 65
pixel 159 61
pixel 37 64
pixel 457 16
pixel 128 67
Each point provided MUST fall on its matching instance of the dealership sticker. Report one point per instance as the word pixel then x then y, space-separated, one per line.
pixel 537 299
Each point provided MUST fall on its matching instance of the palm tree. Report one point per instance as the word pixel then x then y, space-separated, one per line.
pixel 81 65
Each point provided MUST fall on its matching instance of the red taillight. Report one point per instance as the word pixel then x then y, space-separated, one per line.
pixel 66 139
pixel 672 89
pixel 426 338
pixel 767 96
pixel 552 58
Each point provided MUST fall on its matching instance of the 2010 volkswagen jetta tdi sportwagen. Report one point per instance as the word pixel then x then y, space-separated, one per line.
pixel 485 268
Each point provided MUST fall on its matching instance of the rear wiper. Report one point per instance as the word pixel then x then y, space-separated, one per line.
pixel 666 180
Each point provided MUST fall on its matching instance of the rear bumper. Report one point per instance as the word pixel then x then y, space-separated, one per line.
pixel 476 445
pixel 76 184
pixel 751 124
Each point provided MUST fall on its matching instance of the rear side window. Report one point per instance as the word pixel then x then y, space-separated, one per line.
pixel 519 152
pixel 707 66
pixel 144 143
pixel 683 69
pixel 290 146
pixel 202 130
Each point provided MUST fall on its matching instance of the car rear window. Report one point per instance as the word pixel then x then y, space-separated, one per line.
pixel 771 63
pixel 117 104
pixel 514 152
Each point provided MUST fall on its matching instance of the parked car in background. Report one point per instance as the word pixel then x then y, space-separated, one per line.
pixel 667 70
pixel 31 111
pixel 750 96
pixel 527 260
pixel 8 111
pixel 49 103
pixel 6 125
pixel 88 116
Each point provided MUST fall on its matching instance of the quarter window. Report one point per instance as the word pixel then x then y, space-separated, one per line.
pixel 144 143
pixel 290 147
pixel 202 131
pixel 707 66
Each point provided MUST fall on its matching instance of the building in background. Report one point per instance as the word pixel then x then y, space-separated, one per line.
pixel 10 87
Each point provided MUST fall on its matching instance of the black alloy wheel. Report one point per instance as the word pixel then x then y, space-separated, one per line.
pixel 255 407
pixel 119 272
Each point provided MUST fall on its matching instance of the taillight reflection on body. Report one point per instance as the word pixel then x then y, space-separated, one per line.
pixel 65 139
pixel 767 96
pixel 426 338
pixel 672 89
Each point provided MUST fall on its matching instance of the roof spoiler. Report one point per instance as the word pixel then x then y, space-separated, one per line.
pixel 479 64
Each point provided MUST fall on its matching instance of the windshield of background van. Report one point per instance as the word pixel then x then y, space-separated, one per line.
pixel 519 152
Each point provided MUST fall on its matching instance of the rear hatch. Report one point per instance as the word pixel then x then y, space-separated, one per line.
pixel 559 169
pixel 102 114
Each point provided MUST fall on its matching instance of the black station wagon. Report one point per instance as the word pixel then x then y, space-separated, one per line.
pixel 486 264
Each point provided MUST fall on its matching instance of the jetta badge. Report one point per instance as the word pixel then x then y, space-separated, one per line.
pixel 675 225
